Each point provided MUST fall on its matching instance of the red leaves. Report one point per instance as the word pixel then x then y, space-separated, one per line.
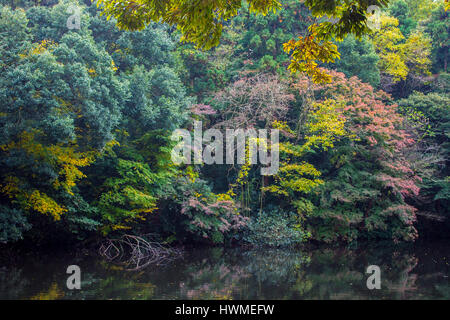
pixel 378 130
pixel 368 113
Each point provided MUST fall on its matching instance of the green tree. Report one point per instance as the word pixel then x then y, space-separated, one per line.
pixel 438 28
pixel 358 58
pixel 60 103
pixel 202 23
pixel 14 35
pixel 399 9
pixel 434 108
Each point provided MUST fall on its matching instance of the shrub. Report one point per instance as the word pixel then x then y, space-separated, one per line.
pixel 274 228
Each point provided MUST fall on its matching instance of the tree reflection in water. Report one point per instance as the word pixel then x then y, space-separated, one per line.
pixel 415 272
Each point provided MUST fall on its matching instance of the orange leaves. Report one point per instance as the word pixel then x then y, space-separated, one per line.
pixel 367 114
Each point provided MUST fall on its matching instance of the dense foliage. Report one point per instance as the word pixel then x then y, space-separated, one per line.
pixel 87 115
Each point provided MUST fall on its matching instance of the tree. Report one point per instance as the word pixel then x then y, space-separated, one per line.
pixel 438 27
pixel 417 51
pixel 14 36
pixel 202 23
pixel 421 9
pixel 387 42
pixel 253 102
pixel 159 100
pixel 358 58
pixel 297 178
pixel 50 23
pixel 264 102
pixel 404 63
pixel 264 35
pixel 150 47
pixel 399 9
pixel 434 108
pixel 367 178
pixel 59 105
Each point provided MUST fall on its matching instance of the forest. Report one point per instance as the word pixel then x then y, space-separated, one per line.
pixel 87 112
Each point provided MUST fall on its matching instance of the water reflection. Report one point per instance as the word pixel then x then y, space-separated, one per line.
pixel 417 272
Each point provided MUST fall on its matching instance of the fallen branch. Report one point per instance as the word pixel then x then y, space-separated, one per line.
pixel 136 253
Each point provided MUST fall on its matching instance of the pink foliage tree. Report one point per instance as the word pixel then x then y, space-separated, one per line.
pixel 380 141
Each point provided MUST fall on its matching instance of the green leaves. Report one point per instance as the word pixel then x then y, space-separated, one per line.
pixel 200 22
pixel 358 58
pixel 275 228
pixel 351 16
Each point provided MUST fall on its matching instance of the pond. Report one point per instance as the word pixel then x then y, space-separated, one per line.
pixel 417 271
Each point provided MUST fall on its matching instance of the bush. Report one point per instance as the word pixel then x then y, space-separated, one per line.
pixel 275 229
pixel 12 224
pixel 195 213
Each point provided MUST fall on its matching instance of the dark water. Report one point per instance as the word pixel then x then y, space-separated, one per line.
pixel 412 272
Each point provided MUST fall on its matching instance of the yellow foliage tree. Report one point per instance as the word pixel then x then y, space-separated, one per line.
pixel 399 57
pixel 308 51
pixel 296 177
pixel 416 52
pixel 387 43
pixel 62 157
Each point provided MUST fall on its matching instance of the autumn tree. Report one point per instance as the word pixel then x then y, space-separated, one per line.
pixel 253 101
pixel 387 42
pixel 404 62
pixel 368 179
